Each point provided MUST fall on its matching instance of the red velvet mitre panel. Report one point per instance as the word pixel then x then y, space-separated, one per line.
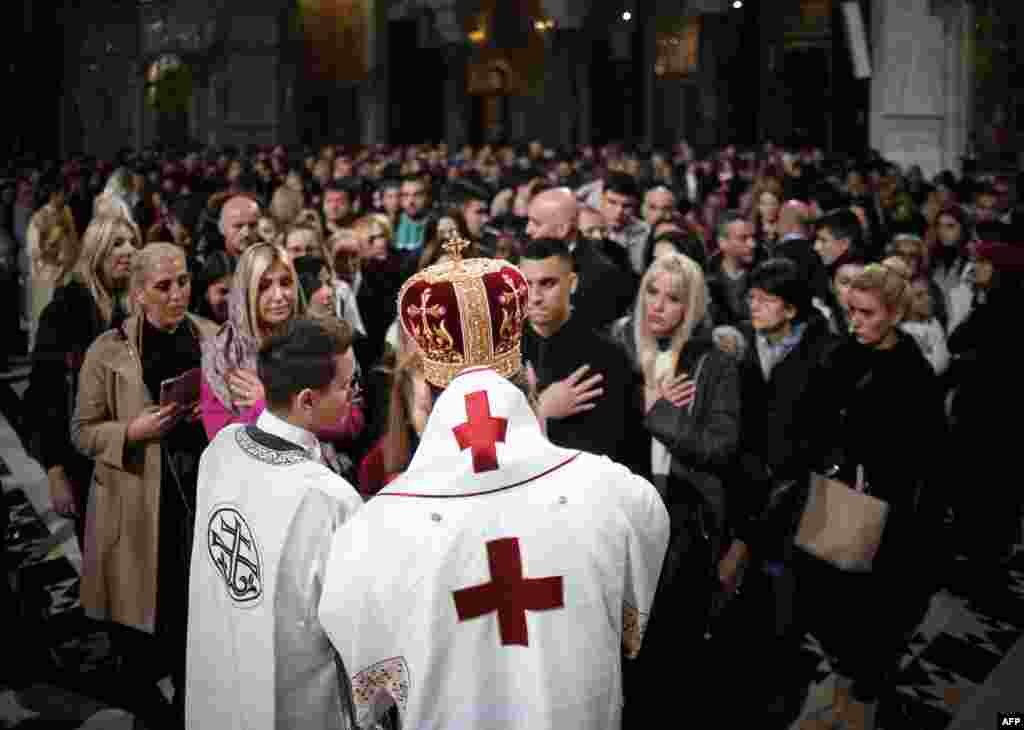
pixel 507 294
pixel 430 315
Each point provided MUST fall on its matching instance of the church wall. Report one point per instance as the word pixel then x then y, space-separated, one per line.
pixel 240 89
pixel 101 68
pixel 920 92
pixel 250 80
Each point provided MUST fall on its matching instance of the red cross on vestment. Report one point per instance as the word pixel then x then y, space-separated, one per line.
pixel 481 432
pixel 508 593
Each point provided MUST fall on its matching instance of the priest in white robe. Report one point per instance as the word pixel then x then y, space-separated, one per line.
pixel 500 580
pixel 267 508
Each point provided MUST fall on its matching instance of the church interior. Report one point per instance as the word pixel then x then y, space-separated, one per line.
pixel 934 83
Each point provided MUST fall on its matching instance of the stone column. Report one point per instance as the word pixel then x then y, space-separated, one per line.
pixel 560 104
pixel 584 93
pixel 772 49
pixel 959 22
pixel 456 98
pixel 570 83
pixel 213 110
pixel 647 58
pixel 375 93
pixel 920 90
pixel 708 81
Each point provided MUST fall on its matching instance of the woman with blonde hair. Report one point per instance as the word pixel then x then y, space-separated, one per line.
pixel 341 251
pixel 887 403
pixel 264 295
pixel 142 503
pixel 119 196
pixel 374 233
pixel 95 299
pixel 919 321
pixel 53 249
pixel 691 397
pixel 767 202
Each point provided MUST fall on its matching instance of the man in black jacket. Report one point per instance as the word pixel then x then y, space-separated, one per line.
pixel 589 393
pixel 726 272
pixel 603 292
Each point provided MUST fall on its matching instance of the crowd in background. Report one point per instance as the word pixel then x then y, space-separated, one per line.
pixel 723 322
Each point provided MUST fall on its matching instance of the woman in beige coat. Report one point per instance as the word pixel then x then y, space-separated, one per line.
pixel 141 508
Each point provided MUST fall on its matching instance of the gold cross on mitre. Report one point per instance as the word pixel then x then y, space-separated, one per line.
pixel 454 246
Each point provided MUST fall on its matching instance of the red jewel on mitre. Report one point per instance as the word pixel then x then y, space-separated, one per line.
pixel 465 313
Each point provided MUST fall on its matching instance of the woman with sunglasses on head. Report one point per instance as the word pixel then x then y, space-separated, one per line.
pixel 94 299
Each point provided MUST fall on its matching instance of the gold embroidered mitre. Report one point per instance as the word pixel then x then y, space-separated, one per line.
pixel 465 313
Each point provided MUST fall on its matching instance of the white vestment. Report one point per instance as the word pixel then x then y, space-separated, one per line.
pixel 265 514
pixel 498 582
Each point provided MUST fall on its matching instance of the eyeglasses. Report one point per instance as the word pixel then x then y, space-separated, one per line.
pixel 763 300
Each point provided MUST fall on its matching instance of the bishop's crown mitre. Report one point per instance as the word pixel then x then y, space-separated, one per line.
pixel 465 313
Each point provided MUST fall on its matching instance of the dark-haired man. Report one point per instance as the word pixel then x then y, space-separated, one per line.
pixel 619 202
pixel 839 236
pixel 338 208
pixel 266 510
pixel 474 204
pixel 588 391
pixel 727 270
pixel 412 223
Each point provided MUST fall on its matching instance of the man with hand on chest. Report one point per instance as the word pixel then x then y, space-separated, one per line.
pixel 499 581
pixel 266 509
pixel 589 394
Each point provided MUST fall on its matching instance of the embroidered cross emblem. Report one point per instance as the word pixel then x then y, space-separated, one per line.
pixel 509 593
pixel 235 554
pixel 423 311
pixel 481 432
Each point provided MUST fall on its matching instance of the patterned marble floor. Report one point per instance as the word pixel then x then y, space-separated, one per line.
pixel 961 641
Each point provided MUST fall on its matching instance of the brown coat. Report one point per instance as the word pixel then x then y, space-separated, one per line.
pixel 119 567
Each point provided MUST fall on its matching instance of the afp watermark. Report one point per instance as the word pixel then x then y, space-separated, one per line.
pixel 1011 719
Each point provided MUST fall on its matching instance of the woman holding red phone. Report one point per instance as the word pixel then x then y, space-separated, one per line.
pixel 140 517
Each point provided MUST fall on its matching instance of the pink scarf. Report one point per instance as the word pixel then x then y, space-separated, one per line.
pixel 235 346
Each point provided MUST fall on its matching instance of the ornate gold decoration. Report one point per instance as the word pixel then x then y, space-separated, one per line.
pixel 454 246
pixel 511 320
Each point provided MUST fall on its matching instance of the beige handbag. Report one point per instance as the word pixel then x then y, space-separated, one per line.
pixel 841 524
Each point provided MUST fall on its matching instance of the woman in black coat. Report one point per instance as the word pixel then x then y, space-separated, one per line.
pixel 91 303
pixel 692 415
pixel 784 387
pixel 891 428
pixel 983 376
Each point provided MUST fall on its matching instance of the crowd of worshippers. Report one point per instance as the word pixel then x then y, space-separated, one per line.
pixel 721 324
